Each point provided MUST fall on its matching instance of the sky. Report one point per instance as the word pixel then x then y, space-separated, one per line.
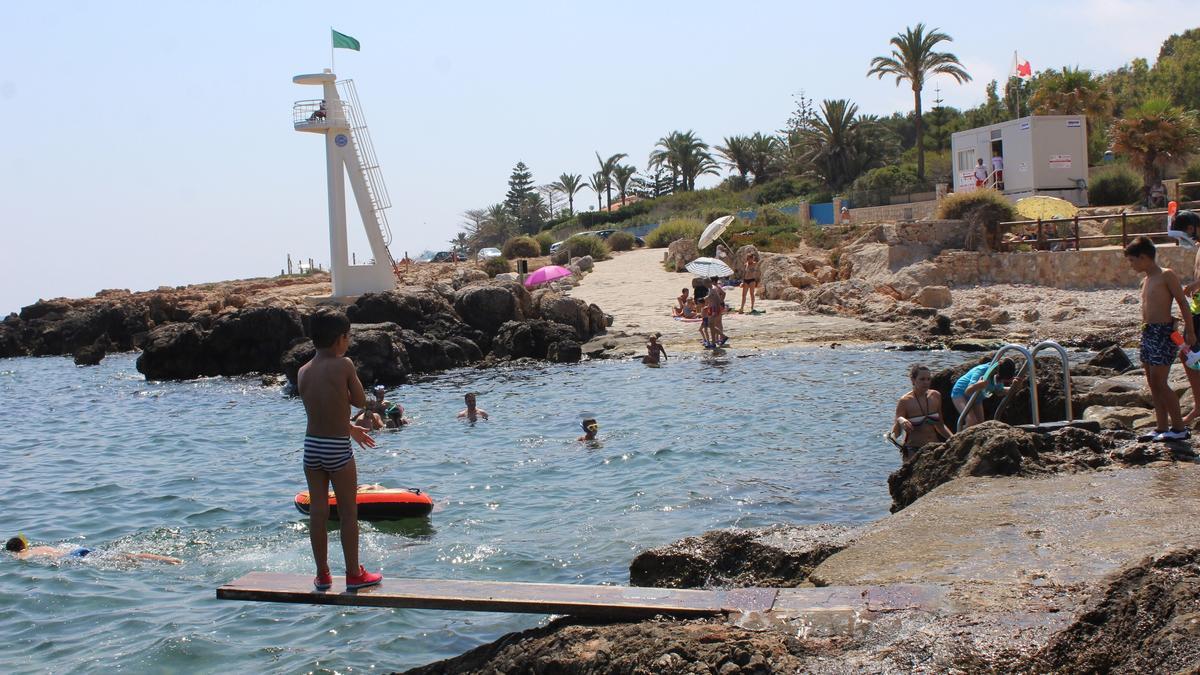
pixel 150 143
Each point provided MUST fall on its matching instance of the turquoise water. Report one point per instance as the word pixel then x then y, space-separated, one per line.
pixel 206 471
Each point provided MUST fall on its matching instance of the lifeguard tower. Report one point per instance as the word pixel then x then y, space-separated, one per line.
pixel 348 151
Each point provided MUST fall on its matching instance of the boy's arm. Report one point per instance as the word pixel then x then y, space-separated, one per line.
pixel 358 397
pixel 1185 311
pixel 1191 288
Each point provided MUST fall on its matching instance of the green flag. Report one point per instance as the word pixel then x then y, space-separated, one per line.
pixel 343 41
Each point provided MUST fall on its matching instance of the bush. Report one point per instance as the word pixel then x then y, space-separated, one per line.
pixel 673 230
pixel 545 240
pixel 522 247
pixel 620 241
pixel 875 187
pixel 779 190
pixel 1115 186
pixel 585 244
pixel 494 266
pixel 982 208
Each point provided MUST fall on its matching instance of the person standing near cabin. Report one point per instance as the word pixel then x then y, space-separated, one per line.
pixel 998 171
pixel 919 415
pixel 329 385
pixel 1158 350
pixel 981 174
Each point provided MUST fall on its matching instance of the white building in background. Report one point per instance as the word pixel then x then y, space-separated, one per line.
pixel 348 151
pixel 1040 155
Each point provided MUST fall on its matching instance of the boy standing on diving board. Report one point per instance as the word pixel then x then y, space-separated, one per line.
pixel 1158 350
pixel 328 385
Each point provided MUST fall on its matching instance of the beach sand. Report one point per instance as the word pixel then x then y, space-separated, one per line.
pixel 638 292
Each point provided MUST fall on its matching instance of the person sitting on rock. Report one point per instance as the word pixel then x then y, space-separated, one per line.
pixel 19 546
pixel 986 377
pixel 471 412
pixel 918 415
pixel 680 303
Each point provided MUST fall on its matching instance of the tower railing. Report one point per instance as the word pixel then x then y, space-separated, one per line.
pixel 365 152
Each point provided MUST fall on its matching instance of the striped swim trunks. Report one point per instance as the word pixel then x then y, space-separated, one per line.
pixel 327 453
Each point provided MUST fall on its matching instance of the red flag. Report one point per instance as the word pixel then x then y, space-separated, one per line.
pixel 1024 71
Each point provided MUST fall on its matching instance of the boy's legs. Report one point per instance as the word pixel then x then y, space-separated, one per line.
pixel 318 516
pixel 1166 403
pixel 1193 377
pixel 345 486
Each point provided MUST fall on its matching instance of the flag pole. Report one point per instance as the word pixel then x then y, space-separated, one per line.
pixel 332 64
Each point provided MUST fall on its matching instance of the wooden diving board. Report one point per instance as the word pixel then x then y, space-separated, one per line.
pixel 610 602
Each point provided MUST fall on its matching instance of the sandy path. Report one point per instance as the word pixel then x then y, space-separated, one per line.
pixel 639 293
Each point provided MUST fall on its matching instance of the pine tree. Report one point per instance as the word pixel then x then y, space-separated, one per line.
pixel 520 189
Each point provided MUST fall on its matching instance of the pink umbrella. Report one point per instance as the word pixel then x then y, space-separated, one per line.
pixel 546 274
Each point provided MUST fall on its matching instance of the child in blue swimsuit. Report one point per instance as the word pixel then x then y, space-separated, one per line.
pixel 976 379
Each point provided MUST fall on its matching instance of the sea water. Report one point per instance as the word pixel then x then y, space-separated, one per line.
pixel 206 471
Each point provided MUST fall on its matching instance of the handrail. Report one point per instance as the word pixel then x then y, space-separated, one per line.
pixel 1066 366
pixel 1030 364
pixel 365 151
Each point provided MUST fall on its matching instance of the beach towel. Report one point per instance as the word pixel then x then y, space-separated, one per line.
pixel 680 318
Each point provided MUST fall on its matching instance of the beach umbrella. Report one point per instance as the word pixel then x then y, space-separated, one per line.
pixel 1046 208
pixel 709 267
pixel 546 274
pixel 715 229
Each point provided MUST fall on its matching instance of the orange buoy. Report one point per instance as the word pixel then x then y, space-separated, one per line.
pixel 376 502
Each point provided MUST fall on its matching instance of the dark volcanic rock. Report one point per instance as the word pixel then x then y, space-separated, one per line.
pixel 576 647
pixel 538 339
pixel 90 355
pixel 408 308
pixel 487 307
pixel 989 449
pixel 251 340
pixel 174 351
pixel 1112 357
pixel 780 556
pixel 46 309
pixel 566 310
pixel 377 350
pixel 1146 621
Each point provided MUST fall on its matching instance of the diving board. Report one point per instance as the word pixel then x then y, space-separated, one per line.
pixel 610 602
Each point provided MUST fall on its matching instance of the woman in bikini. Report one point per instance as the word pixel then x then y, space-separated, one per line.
pixel 918 415
pixel 749 281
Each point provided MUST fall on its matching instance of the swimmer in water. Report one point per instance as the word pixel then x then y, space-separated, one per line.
pixel 471 412
pixel 918 415
pixel 654 350
pixel 19 546
pixel 590 428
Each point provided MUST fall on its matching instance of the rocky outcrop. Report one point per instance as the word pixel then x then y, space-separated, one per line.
pixel 408 308
pixel 568 311
pixel 1112 357
pixel 92 354
pixel 781 556
pixel 488 307
pixel 936 297
pixel 1147 620
pixel 377 350
pixel 681 252
pixel 246 341
pixel 539 339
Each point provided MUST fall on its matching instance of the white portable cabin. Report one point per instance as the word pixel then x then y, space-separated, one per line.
pixel 1042 155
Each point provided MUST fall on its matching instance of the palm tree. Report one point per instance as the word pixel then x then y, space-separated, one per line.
pixel 569 184
pixel 621 176
pixel 606 167
pixel 686 155
pixel 838 145
pixel 460 243
pixel 1155 135
pixel 736 152
pixel 912 60
pixel 765 153
pixel 1072 91
pixel 597 183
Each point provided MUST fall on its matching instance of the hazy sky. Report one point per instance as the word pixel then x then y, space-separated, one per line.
pixel 150 143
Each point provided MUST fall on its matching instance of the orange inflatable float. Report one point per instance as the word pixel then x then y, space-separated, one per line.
pixel 376 502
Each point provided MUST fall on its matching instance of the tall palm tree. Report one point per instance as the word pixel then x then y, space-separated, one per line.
pixel 1155 135
pixel 913 58
pixel 606 167
pixel 765 153
pixel 1072 91
pixel 569 184
pixel 686 155
pixel 597 183
pixel 838 145
pixel 621 176
pixel 736 152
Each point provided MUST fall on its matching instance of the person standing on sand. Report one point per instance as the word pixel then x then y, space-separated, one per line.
pixel 329 385
pixel 749 282
pixel 1158 351
pixel 471 413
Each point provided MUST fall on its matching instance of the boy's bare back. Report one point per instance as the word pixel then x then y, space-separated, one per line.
pixel 327 387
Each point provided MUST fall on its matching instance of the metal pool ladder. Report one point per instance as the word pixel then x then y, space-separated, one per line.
pixel 1030 366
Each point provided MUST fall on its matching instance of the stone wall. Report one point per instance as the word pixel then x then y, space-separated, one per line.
pixel 894 213
pixel 1086 269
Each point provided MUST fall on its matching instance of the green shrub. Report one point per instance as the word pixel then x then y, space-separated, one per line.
pixel 673 230
pixel 1115 186
pixel 585 244
pixel 981 206
pixel 1191 175
pixel 779 190
pixel 620 241
pixel 521 247
pixel 875 187
pixel 494 266
pixel 545 240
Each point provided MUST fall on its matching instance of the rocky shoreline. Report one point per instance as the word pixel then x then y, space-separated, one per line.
pixel 239 328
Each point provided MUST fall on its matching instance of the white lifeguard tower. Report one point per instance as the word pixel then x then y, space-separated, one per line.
pixel 348 150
